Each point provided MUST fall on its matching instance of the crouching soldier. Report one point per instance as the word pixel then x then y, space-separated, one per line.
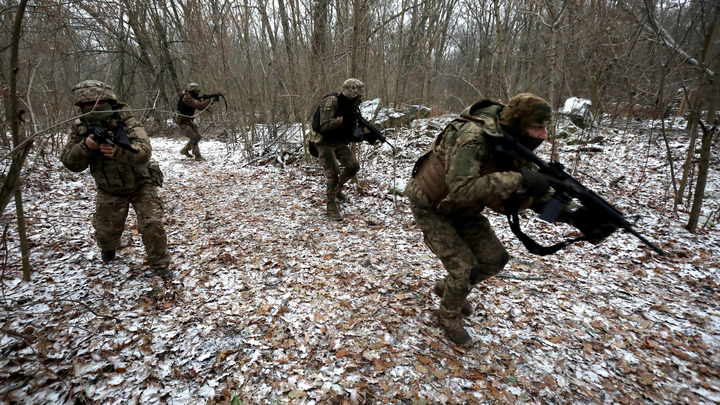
pixel 463 173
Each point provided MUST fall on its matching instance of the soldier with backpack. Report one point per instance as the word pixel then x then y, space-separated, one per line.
pixel 336 124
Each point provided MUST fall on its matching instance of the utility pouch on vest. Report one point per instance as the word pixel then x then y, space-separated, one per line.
pixel 429 175
pixel 156 175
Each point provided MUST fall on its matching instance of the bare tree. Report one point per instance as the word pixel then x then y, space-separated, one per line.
pixel 12 184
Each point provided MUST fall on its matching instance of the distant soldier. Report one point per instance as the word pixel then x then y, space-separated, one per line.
pixel 109 140
pixel 463 173
pixel 337 126
pixel 189 101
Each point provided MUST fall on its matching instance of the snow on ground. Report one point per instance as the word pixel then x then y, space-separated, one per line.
pixel 273 303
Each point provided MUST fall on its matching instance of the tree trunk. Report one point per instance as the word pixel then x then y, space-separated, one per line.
pixel 11 112
pixel 291 88
pixel 318 76
pixel 24 245
pixel 702 174
pixel 360 31
pixel 692 131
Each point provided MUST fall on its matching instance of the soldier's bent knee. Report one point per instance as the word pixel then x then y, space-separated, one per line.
pixel 504 259
pixel 487 270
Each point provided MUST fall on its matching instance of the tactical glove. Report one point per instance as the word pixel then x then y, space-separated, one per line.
pixel 533 184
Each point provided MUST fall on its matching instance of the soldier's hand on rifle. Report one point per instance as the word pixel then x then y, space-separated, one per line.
pixel 91 144
pixel 108 150
pixel 533 184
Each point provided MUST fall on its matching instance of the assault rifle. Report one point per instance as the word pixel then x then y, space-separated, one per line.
pixel 374 133
pixel 215 97
pixel 102 135
pixel 567 188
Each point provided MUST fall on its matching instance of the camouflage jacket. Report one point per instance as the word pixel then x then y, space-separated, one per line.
pixel 335 130
pixel 122 174
pixel 187 104
pixel 462 171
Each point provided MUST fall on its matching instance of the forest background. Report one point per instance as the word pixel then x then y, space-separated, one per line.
pixel 639 59
pixel 273 60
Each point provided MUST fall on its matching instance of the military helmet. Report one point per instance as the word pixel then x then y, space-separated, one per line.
pixel 353 88
pixel 92 91
pixel 192 87
pixel 525 110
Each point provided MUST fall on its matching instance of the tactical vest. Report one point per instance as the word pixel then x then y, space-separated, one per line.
pixel 348 110
pixel 187 111
pixel 429 170
pixel 115 177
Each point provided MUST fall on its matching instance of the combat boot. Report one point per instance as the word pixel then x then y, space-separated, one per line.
pixel 340 195
pixel 452 324
pixel 439 290
pixel 196 152
pixel 333 212
pixel 107 255
pixel 186 151
pixel 163 272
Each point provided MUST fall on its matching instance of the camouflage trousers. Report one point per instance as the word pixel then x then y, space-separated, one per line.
pixel 468 249
pixel 190 130
pixel 332 156
pixel 111 212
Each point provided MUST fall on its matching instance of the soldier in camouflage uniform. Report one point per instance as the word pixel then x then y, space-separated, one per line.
pixel 338 126
pixel 460 176
pixel 123 175
pixel 188 102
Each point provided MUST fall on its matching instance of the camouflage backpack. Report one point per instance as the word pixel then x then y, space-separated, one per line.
pixel 316 114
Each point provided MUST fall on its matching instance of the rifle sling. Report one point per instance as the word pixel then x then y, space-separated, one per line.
pixel 532 246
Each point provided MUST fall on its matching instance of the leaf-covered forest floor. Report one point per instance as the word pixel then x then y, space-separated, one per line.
pixel 273 303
